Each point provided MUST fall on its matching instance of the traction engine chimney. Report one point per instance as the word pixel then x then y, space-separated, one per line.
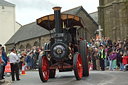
pixel 57 16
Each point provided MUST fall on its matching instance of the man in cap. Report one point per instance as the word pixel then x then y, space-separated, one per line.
pixel 102 56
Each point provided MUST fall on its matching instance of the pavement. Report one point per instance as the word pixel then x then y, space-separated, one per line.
pixel 2 81
pixel 68 78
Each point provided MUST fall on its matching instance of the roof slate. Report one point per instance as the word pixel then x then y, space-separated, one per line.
pixel 76 10
pixel 73 11
pixel 5 3
pixel 26 32
pixel 94 15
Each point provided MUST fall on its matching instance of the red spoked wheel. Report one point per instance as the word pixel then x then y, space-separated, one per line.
pixel 78 66
pixel 44 68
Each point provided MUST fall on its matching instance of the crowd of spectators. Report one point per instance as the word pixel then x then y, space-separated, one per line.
pixel 106 53
pixel 102 54
pixel 29 57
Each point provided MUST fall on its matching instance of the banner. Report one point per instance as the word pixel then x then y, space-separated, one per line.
pixel 7 68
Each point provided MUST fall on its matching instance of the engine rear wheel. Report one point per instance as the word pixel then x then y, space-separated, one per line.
pixel 44 68
pixel 83 53
pixel 78 67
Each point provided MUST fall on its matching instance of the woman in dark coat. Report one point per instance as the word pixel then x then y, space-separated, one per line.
pixel 28 60
pixel 5 60
pixel 94 59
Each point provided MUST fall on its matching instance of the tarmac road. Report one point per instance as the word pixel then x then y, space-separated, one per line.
pixel 68 78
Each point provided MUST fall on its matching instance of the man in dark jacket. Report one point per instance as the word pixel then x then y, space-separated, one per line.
pixel 94 60
pixel 121 60
pixel 119 57
pixel 109 42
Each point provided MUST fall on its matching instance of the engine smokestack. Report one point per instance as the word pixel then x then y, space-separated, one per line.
pixel 57 16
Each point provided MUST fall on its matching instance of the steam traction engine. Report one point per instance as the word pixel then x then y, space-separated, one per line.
pixel 65 51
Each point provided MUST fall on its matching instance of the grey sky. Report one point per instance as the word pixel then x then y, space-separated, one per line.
pixel 28 11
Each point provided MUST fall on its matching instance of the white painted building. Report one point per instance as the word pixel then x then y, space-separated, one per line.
pixel 8 25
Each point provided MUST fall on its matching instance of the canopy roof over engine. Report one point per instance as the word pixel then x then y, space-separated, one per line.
pixel 68 20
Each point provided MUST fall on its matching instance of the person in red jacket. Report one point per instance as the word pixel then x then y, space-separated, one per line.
pixel 125 61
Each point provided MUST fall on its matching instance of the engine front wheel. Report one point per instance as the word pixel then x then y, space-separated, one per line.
pixel 78 67
pixel 44 68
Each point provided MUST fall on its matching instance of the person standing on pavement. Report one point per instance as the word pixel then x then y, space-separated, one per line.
pixel 114 60
pixel 14 64
pixel 121 61
pixel 112 57
pixel 21 60
pixel 37 52
pixel 0 64
pixel 33 60
pixel 109 50
pixel 125 59
pixel 94 59
pixel 119 57
pixel 97 59
pixel 5 60
pixel 28 60
pixel 105 59
pixel 102 56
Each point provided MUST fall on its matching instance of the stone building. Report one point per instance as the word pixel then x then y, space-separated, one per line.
pixel 8 25
pixel 33 35
pixel 94 15
pixel 113 18
pixel 28 36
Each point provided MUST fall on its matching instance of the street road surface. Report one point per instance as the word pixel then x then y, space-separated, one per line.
pixel 68 78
